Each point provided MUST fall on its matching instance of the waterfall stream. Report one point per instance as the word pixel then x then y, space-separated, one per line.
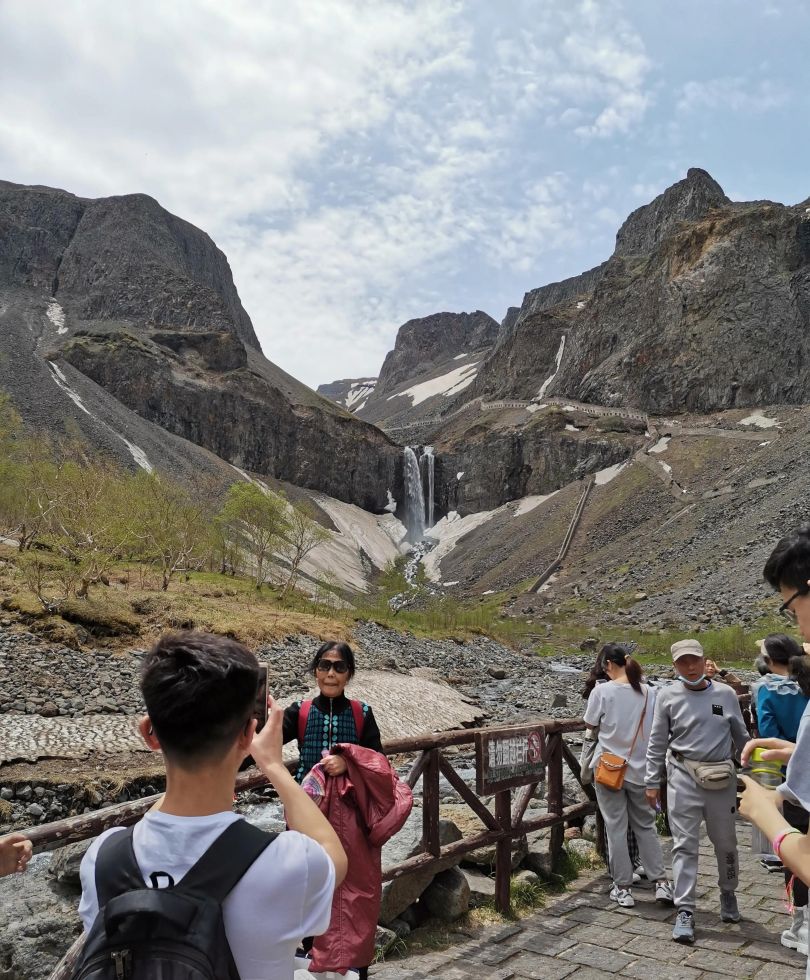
pixel 414 498
pixel 429 460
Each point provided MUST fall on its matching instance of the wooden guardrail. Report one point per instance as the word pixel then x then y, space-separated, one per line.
pixel 550 569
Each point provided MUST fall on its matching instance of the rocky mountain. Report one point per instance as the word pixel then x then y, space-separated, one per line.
pixel 433 358
pixel 117 314
pixel 350 393
pixel 692 274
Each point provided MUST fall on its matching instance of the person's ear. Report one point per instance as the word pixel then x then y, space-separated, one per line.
pixel 148 734
pixel 246 735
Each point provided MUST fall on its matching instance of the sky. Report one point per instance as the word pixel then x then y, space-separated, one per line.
pixel 363 162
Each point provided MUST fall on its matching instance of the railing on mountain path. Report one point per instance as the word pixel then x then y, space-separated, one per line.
pixel 555 565
pixel 431 762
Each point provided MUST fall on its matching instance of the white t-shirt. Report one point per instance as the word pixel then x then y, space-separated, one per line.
pixel 286 893
pixel 616 708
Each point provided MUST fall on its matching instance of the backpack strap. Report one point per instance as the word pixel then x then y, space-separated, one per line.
pixel 224 863
pixel 358 710
pixel 117 868
pixel 303 717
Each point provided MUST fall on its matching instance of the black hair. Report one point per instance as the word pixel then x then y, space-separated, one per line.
pixel 596 674
pixel 800 672
pixel 789 562
pixel 761 664
pixel 617 653
pixel 343 649
pixel 780 649
pixel 200 691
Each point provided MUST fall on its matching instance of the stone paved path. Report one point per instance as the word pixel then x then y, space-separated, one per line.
pixel 584 936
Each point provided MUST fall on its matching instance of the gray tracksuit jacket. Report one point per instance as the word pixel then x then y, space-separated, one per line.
pixel 704 726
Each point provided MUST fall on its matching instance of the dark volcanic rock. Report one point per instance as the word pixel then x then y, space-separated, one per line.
pixel 143 304
pixel 690 199
pixel 423 343
pixel 350 393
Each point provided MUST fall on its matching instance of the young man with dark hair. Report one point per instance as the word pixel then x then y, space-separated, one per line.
pixel 200 693
pixel 696 728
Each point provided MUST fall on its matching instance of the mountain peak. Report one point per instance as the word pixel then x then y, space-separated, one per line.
pixel 690 199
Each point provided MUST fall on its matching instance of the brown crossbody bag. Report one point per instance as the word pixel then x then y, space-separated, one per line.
pixel 611 769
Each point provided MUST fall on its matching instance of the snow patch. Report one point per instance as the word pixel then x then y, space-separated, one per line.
pixel 489 592
pixel 661 445
pixel 447 532
pixel 378 536
pixel 767 443
pixel 535 408
pixel 458 357
pixel 547 382
pixel 572 428
pixel 527 504
pixel 251 479
pixel 665 466
pixel 581 304
pixel 609 473
pixel 760 421
pixel 135 451
pixel 391 506
pixel 459 475
pixel 359 393
pixel 448 584
pixel 56 315
pixel 447 384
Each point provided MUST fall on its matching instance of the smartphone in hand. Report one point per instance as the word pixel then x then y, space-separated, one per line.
pixel 261 699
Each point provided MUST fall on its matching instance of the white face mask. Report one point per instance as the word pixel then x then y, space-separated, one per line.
pixel 700 680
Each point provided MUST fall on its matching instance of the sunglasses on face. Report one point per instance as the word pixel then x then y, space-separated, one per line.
pixel 324 666
pixel 786 610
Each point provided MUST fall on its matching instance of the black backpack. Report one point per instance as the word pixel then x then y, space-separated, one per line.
pixel 174 933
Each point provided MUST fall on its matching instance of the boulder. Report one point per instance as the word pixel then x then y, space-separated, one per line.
pixel 398 894
pixel 482 887
pixel 448 895
pixel 65 862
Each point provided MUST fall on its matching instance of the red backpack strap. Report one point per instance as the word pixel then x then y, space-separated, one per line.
pixel 359 717
pixel 303 717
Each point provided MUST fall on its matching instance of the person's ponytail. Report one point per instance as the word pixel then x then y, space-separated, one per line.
pixel 633 670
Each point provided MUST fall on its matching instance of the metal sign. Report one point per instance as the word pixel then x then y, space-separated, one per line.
pixel 509 757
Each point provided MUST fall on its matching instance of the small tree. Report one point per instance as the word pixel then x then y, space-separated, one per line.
pixel 256 519
pixel 302 536
pixel 169 527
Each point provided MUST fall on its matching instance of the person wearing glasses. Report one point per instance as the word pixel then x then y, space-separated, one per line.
pixel 331 717
pixel 318 725
pixel 787 571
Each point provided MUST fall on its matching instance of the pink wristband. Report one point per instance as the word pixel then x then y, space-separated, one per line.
pixel 777 841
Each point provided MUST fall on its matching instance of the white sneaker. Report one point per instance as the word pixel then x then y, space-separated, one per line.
pixel 796 936
pixel 663 893
pixel 622 896
pixel 638 874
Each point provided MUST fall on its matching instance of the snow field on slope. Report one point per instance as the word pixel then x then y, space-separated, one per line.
pixel 447 384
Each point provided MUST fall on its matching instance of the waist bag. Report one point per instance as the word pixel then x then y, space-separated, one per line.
pixel 611 769
pixel 709 775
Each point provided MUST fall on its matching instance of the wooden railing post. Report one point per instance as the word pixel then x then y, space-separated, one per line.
pixel 430 804
pixel 503 851
pixel 554 796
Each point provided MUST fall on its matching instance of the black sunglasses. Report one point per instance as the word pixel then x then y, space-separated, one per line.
pixel 324 666
pixel 785 609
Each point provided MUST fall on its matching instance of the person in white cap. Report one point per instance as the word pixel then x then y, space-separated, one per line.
pixel 696 729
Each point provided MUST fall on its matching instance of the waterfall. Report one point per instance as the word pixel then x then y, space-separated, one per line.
pixel 414 498
pixel 429 460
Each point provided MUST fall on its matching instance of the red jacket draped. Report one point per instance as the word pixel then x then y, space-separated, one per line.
pixel 366 806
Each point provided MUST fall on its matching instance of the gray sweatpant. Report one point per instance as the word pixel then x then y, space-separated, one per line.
pixel 618 808
pixel 687 805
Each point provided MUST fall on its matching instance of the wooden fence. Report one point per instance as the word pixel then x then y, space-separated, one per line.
pixel 431 761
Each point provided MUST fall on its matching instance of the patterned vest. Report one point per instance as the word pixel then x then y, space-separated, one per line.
pixel 322 732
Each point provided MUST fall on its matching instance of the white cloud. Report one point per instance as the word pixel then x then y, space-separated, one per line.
pixel 732 94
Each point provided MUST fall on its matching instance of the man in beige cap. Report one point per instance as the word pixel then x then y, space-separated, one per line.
pixel 696 729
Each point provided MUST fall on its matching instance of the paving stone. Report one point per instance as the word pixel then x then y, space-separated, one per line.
pixel 723 963
pixel 657 949
pixel 654 969
pixel 774 953
pixel 547 945
pixel 607 960
pixel 535 967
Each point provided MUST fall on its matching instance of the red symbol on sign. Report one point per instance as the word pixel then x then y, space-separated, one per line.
pixel 535 750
